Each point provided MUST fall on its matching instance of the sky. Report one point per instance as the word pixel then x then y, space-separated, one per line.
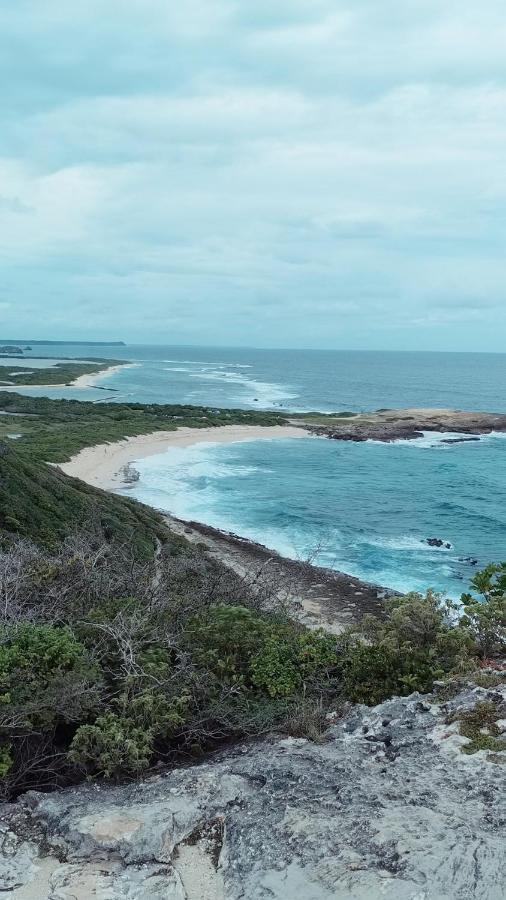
pixel 272 173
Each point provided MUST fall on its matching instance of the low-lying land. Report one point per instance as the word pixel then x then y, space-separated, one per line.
pixel 61 373
pixel 42 504
pixel 403 424
pixel 55 430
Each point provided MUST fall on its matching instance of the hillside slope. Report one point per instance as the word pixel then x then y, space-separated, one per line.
pixel 39 502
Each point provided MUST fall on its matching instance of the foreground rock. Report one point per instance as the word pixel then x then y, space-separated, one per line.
pixel 387 807
pixel 408 424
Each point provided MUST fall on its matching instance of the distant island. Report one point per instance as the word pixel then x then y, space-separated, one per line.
pixel 65 343
pixel 12 351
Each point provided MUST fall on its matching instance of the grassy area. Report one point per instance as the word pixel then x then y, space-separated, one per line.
pixel 61 373
pixel 54 430
pixel 38 502
pixel 41 503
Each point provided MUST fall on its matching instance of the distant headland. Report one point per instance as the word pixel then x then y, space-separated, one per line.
pixel 18 343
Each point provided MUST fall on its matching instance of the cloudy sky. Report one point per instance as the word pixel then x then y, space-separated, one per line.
pixel 264 172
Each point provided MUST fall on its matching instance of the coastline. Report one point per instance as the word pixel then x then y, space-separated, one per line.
pixel 82 382
pixel 317 596
pixel 106 466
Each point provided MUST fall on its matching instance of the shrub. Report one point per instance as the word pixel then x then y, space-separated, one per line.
pixel 414 644
pixel 6 760
pixel 43 671
pixel 371 674
pixel 112 746
pixel 485 619
pixel 286 663
pixel 257 653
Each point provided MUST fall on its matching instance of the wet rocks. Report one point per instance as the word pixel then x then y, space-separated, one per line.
pixel 438 542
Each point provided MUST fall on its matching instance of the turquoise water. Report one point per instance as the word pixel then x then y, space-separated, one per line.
pixel 366 508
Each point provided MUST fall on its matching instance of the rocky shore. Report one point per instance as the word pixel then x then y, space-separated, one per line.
pixel 318 596
pixel 386 805
pixel 408 424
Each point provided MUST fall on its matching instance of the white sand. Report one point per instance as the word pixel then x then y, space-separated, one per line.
pixel 104 465
pixel 81 382
pixel 89 381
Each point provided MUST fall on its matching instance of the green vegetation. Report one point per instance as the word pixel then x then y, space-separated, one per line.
pixel 110 663
pixel 61 373
pixel 479 725
pixel 486 621
pixel 415 644
pixel 53 430
pixel 41 503
pixel 121 646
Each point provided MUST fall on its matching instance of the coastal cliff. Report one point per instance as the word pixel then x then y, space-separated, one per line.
pixel 386 805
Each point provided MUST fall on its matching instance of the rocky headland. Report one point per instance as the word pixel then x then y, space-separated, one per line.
pixel 407 424
pixel 386 805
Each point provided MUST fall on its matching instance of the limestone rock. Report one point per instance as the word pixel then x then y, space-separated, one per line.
pixel 387 807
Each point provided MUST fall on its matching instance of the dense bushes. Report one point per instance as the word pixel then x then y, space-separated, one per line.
pixel 109 664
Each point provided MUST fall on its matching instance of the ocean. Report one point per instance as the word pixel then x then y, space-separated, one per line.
pixel 366 509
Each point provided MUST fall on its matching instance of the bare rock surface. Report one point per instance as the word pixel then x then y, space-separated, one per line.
pixel 387 807
pixel 408 424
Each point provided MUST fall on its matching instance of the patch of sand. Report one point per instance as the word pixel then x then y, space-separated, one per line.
pixel 105 465
pixel 89 381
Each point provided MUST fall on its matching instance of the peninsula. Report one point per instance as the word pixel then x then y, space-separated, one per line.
pixel 389 425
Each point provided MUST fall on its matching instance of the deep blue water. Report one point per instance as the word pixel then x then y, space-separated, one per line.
pixel 366 507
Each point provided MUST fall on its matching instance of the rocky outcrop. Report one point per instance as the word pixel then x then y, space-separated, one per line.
pixel 408 424
pixel 387 806
pixel 438 542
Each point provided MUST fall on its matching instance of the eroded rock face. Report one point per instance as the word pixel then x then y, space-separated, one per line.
pixel 387 807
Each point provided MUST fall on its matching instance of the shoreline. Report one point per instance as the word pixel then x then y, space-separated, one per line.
pixel 83 382
pixel 106 466
pixel 389 426
pixel 317 596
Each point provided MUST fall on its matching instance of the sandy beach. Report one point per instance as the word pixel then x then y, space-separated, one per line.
pixel 82 382
pixel 104 465
pixel 90 381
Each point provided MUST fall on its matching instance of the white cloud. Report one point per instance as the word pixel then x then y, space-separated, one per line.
pixel 211 159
